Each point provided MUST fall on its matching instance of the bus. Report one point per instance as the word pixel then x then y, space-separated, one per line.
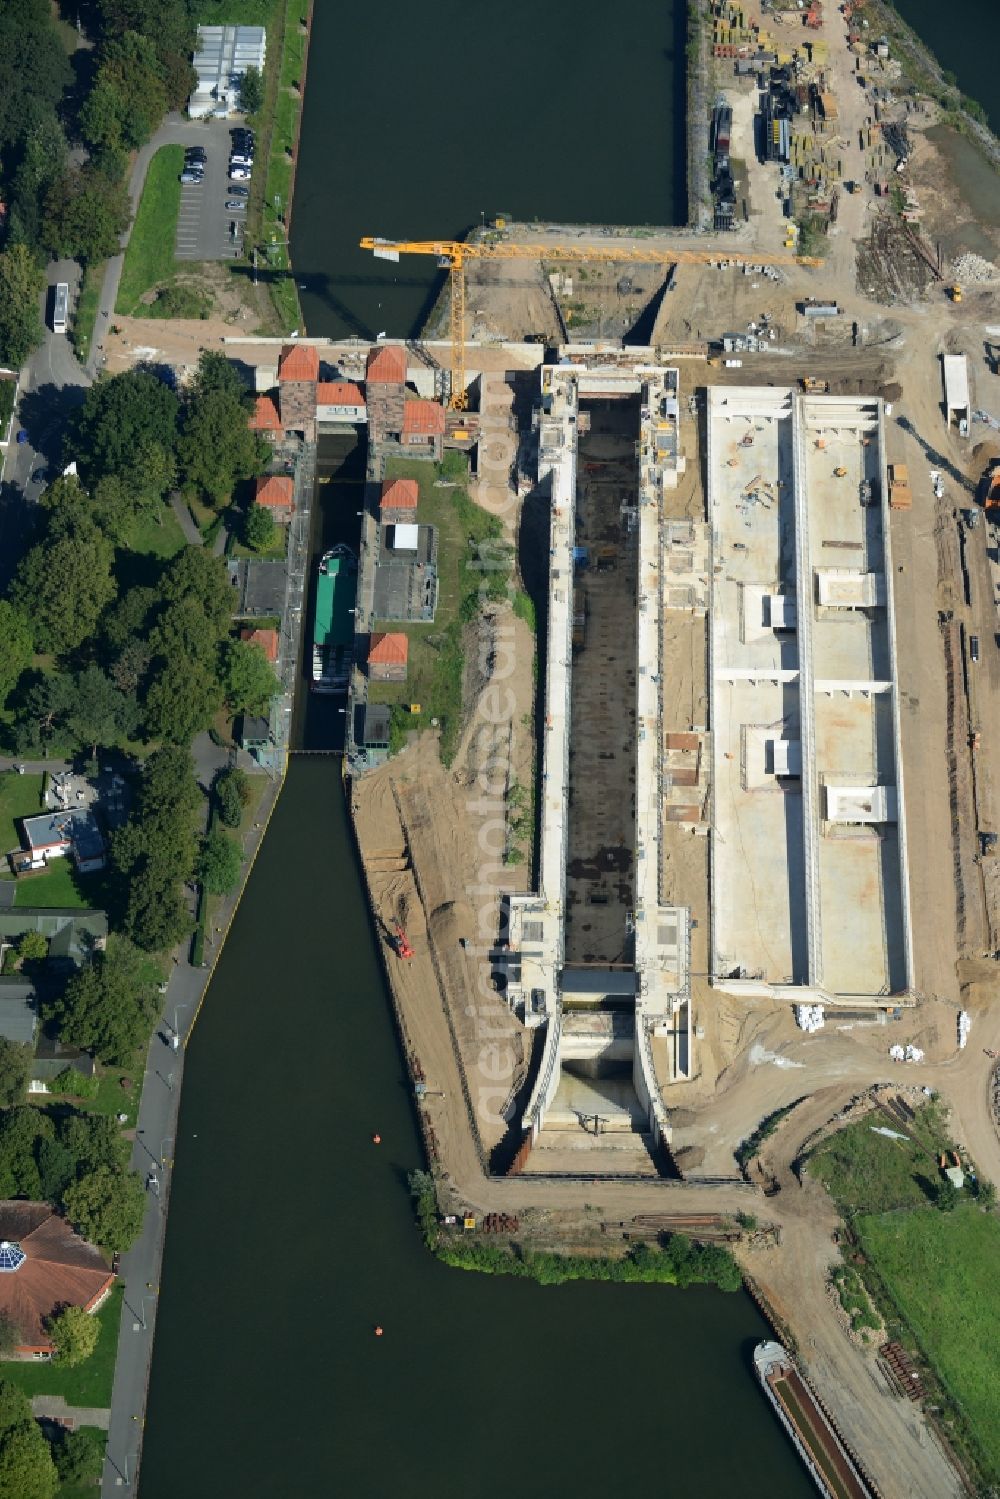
pixel 60 307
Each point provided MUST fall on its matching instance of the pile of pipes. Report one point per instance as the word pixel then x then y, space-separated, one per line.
pixel 906 1053
pixel 809 1017
pixel 964 1027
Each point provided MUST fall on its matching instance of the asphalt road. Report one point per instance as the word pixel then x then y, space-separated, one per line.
pixel 52 386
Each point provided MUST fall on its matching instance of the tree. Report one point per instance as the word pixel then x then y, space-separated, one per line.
pixel 156 851
pixel 93 1140
pixel 21 285
pixel 56 1169
pixel 128 669
pixel 78 1460
pixel 130 618
pixel 85 215
pixel 107 1207
pixel 183 698
pixel 15 1063
pixel 128 98
pixel 16 647
pixel 43 712
pixel 220 863
pixel 74 1333
pixel 251 91
pixel 108 1007
pixel 26 1467
pixel 986 1193
pixel 15 1407
pixel 249 682
pixel 215 375
pixel 259 529
pixel 946 1196
pixel 32 947
pixel 195 574
pixel 119 418
pixel 232 794
pixel 101 714
pixel 169 788
pixel 11 1336
pixel 156 917
pixel 21 1130
pixel 34 68
pixel 43 160
pixel 217 447
pixel 65 583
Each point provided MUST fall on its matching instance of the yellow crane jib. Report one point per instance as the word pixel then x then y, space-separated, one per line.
pixel 452 255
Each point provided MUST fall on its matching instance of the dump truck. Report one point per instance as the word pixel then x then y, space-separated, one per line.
pixel 814 387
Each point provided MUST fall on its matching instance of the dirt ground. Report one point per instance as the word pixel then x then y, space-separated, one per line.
pixel 179 341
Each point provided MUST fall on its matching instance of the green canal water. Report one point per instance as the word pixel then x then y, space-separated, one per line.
pixel 290 1235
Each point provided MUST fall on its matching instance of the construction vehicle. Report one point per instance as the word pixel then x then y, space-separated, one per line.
pixel 955 293
pixel 453 255
pixel 402 944
pixel 814 387
pixel 840 473
pixel 990 489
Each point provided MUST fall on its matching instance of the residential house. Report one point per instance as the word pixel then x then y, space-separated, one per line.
pixel 53 835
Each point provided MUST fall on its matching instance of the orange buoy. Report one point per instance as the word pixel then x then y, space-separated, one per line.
pixel 376 1139
pixel 378 1332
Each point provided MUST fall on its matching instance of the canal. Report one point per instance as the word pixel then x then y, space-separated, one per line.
pixel 961 36
pixel 418 121
pixel 290 1235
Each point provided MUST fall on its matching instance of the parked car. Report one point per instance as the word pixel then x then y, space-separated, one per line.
pixel 973 647
pixel 190 175
pixel 234 204
pixel 40 476
pixel 240 192
pixel 240 159
pixel 196 153
pixel 239 174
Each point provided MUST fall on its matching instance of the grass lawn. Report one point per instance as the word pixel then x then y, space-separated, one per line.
pixel 59 886
pixel 89 1383
pixel 869 1172
pixel 275 551
pixel 20 796
pixel 85 312
pixel 436 662
pixel 161 537
pixel 941 1269
pixel 149 257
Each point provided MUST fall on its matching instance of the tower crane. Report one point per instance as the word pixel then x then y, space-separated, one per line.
pixel 453 255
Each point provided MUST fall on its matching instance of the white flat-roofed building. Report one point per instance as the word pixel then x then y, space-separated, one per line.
pixel 223 55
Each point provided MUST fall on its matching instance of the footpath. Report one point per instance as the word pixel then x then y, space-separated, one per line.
pixel 152 1157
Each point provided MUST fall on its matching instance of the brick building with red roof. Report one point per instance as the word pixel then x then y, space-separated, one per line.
pixel 276 492
pixel 266 639
pixel 423 427
pixel 388 655
pixel 399 500
pixel 298 374
pixel 265 419
pixel 340 401
pixel 44 1267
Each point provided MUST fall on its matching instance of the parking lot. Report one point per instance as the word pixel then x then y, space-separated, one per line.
pixel 203 221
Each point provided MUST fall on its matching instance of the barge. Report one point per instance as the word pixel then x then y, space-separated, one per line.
pixel 830 1465
pixel 333 630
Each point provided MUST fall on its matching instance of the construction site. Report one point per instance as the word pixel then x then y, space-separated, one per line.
pixel 741 702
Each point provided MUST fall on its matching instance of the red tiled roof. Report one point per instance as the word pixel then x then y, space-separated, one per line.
pixel 423 417
pixel 339 393
pixel 266 639
pixel 388 650
pixel 265 416
pixel 299 362
pixel 59 1269
pixel 399 494
pixel 387 365
pixel 277 491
